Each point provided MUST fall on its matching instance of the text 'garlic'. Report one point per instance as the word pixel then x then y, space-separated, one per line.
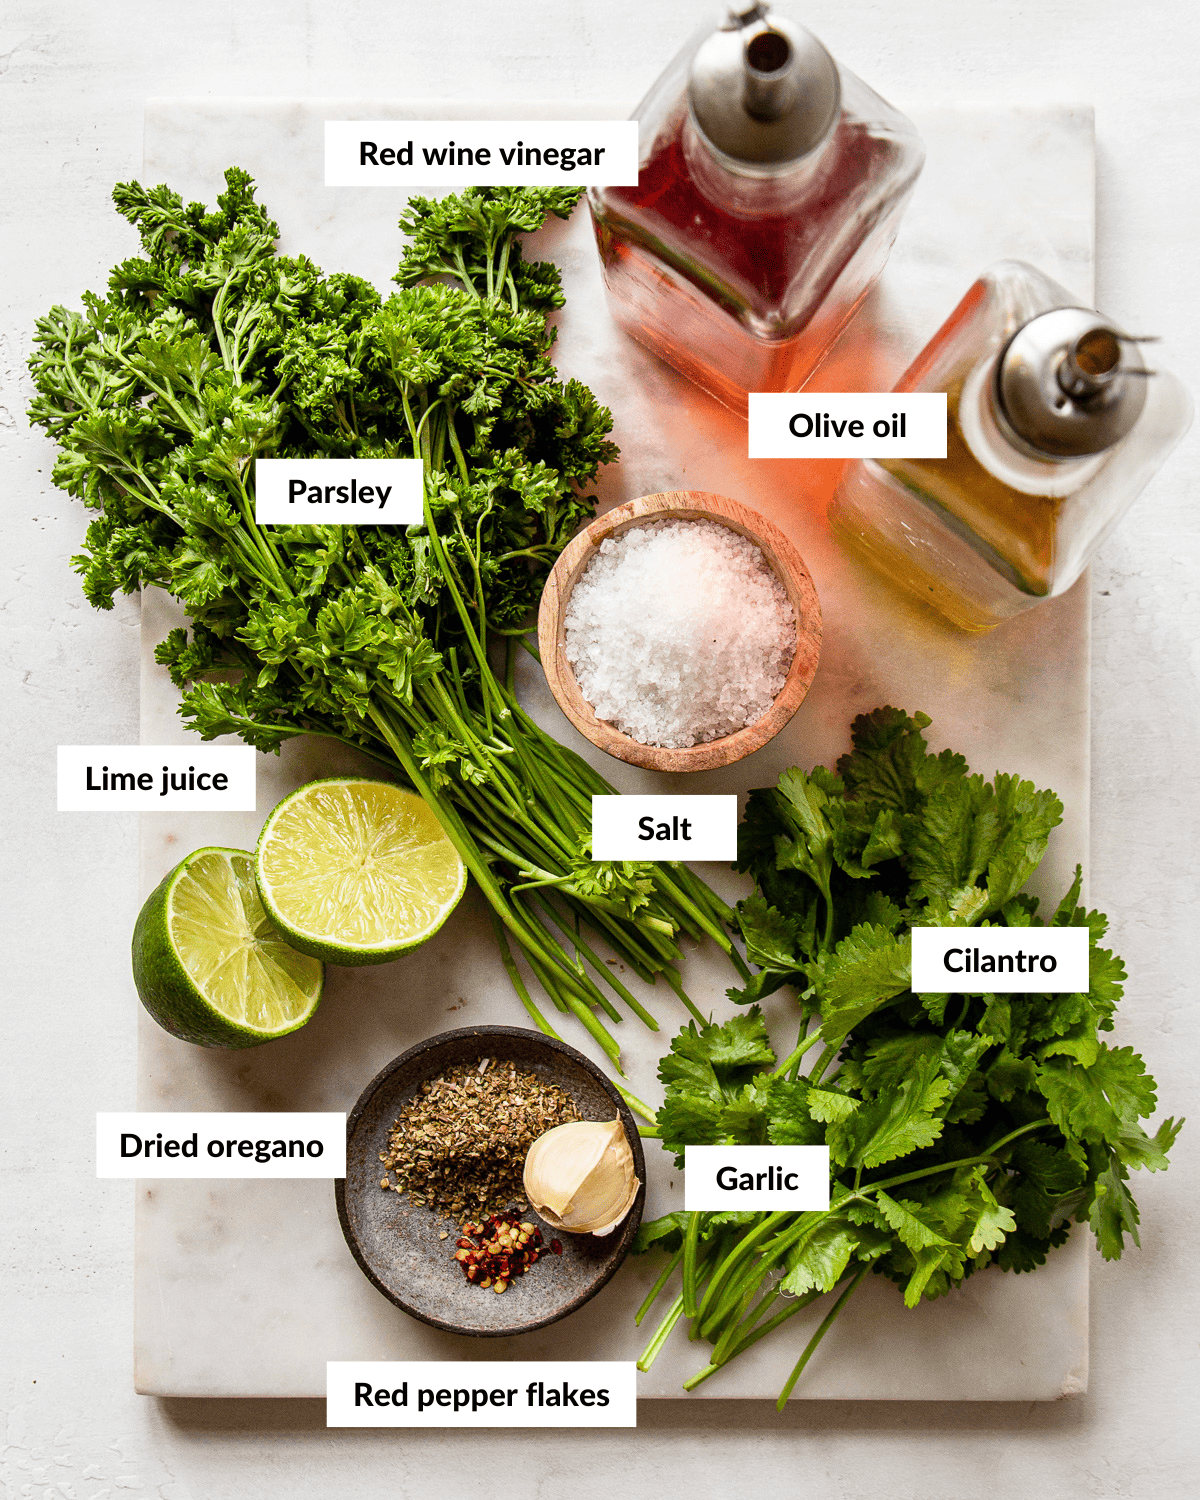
pixel 580 1177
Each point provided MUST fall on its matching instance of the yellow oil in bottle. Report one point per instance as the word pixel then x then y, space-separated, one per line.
pixel 927 585
pixel 1013 530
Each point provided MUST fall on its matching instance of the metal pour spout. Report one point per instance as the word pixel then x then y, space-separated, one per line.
pixel 763 90
pixel 770 85
pixel 1067 384
pixel 1092 360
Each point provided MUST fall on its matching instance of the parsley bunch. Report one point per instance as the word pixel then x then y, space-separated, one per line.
pixel 211 350
pixel 965 1129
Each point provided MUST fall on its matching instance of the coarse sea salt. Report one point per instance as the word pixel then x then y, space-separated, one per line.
pixel 679 632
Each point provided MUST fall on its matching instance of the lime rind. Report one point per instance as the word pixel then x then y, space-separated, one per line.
pixel 357 871
pixel 208 964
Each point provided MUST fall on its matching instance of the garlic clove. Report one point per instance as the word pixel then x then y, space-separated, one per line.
pixel 580 1176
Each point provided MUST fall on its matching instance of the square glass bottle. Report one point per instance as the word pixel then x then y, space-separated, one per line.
pixel 771 186
pixel 1054 425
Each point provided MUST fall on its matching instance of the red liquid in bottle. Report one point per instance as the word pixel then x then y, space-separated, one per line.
pixel 743 283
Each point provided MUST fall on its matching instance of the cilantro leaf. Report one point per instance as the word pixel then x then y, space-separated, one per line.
pixel 864 971
pixel 1096 1101
pixel 902 1120
pixel 1113 1213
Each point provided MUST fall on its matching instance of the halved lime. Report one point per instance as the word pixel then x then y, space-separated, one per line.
pixel 356 871
pixel 209 964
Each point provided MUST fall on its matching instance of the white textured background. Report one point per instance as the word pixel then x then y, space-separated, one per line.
pixel 73 76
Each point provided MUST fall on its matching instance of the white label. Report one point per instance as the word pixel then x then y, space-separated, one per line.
pixel 338 491
pixel 754 1177
pixel 661 828
pixel 133 1143
pixel 156 778
pixel 894 424
pixel 481 1393
pixel 481 153
pixel 1000 960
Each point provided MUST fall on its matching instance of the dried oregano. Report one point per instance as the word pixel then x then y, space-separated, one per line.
pixel 460 1146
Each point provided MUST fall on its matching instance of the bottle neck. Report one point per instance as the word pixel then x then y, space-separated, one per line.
pixel 746 189
pixel 994 450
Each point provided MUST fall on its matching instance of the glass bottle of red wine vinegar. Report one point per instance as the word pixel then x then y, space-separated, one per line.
pixel 770 189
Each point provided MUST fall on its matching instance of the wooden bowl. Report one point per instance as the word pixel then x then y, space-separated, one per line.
pixel 680 505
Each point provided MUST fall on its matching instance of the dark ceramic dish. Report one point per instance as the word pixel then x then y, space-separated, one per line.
pixel 397 1244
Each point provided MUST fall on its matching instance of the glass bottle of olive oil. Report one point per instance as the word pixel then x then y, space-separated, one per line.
pixel 1054 425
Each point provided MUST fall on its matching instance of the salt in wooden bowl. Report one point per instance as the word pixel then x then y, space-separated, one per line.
pixel 680 505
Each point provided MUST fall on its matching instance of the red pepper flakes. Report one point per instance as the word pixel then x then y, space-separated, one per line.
pixel 493 1252
pixel 556 1246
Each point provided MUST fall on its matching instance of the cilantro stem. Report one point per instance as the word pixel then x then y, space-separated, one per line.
pixel 795 1305
pixel 733 1298
pixel 661 1334
pixel 653 1294
pixel 674 1313
pixel 798 1052
pixel 811 1347
pixel 822 1061
pixel 739 1335
pixel 691 1246
pixel 724 1291
pixel 951 1166
pixel 744 1248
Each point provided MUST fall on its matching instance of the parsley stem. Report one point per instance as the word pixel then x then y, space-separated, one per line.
pixel 602 968
pixel 707 925
pixel 518 983
pixel 543 978
pixel 675 980
pixel 502 276
pixel 469 851
pixel 635 1104
pixel 622 938
pixel 588 992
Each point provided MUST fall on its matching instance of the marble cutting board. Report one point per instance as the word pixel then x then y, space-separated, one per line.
pixel 247 1288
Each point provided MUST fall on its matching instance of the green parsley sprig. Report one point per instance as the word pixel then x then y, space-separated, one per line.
pixel 211 350
pixel 964 1130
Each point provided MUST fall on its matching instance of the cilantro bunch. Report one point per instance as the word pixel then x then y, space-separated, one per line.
pixel 211 350
pixel 964 1129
